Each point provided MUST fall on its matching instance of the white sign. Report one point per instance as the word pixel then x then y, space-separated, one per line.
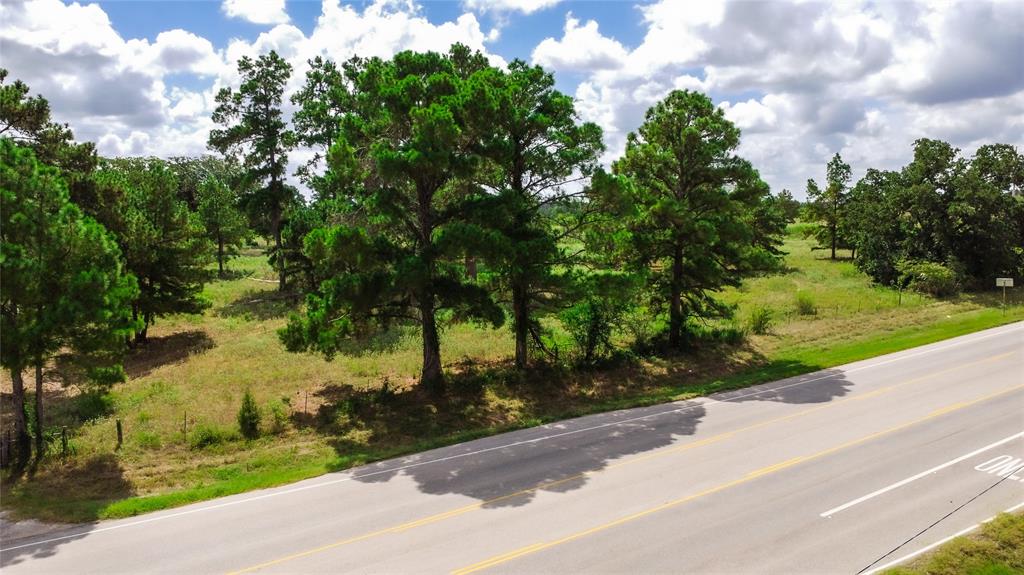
pixel 1004 282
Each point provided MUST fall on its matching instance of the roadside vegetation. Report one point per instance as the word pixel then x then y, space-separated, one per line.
pixel 318 416
pixel 180 329
pixel 997 548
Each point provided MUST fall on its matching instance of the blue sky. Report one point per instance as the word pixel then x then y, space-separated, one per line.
pixel 802 80
pixel 519 33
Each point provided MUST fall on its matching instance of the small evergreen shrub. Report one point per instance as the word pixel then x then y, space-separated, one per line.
pixel 249 417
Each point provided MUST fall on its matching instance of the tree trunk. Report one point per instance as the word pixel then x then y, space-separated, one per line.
pixel 675 323
pixel 40 445
pixel 471 267
pixel 833 230
pixel 432 377
pixel 521 323
pixel 21 438
pixel 276 223
pixel 220 255
pixel 142 335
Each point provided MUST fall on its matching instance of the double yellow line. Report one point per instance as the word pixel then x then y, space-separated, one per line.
pixel 660 453
pixel 530 549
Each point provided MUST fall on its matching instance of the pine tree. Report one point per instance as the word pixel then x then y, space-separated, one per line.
pixel 692 221
pixel 827 207
pixel 253 127
pixel 541 156
pixel 163 243
pixel 405 153
pixel 225 225
pixel 63 283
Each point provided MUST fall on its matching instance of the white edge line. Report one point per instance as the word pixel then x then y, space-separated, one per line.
pixel 706 400
pixel 899 484
pixel 939 542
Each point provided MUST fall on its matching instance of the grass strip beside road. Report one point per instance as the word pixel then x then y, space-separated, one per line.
pixel 995 549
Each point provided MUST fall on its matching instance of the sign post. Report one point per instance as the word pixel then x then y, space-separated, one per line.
pixel 1004 283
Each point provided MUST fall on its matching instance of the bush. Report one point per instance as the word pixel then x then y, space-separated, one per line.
pixel 93 405
pixel 204 435
pixel 249 417
pixel 598 313
pixel 590 323
pixel 278 414
pixel 805 304
pixel 929 278
pixel 641 324
pixel 147 440
pixel 760 321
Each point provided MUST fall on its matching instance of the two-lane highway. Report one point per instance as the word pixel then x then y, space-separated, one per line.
pixel 838 471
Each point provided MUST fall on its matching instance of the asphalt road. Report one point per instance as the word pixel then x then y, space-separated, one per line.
pixel 837 471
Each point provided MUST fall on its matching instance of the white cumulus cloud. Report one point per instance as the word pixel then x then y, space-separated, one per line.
pixel 581 48
pixel 256 11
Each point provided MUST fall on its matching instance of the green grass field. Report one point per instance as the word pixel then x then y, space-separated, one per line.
pixel 178 409
pixel 995 549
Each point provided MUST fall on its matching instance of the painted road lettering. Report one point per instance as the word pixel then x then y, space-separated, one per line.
pixel 1003 466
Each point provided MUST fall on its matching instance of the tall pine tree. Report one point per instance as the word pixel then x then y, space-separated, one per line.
pixel 253 127
pixel 693 220
pixel 63 285
pixel 406 154
pixel 541 154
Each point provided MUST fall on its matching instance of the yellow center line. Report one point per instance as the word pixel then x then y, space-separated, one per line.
pixel 660 453
pixel 506 557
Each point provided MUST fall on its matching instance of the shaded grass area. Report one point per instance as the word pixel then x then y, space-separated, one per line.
pixel 179 407
pixel 997 548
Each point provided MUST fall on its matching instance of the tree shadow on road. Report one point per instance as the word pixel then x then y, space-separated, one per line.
pixel 509 470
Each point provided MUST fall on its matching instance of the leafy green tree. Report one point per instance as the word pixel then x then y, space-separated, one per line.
pixel 193 171
pixel 63 283
pixel 253 126
pixel 876 223
pixel 962 214
pixel 790 206
pixel 225 225
pixel 691 204
pixel 540 153
pixel 163 243
pixel 402 261
pixel 984 215
pixel 827 207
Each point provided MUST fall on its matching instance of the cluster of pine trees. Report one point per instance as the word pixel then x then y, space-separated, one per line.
pixel 443 189
pixel 447 189
pixel 94 250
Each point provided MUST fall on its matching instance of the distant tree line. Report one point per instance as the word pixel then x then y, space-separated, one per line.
pixel 942 223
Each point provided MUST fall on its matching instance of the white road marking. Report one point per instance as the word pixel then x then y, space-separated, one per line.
pixel 913 478
pixel 966 339
pixel 1004 465
pixel 939 542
